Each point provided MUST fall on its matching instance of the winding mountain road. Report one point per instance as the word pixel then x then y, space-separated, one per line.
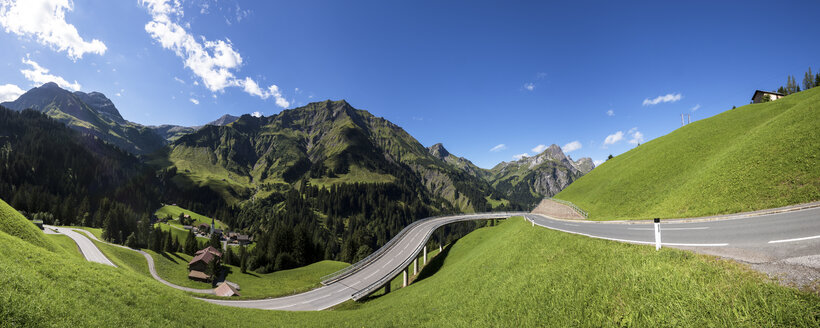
pixel 88 247
pixel 793 234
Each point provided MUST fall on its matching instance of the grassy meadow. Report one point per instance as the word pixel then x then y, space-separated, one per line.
pixel 753 157
pixel 492 277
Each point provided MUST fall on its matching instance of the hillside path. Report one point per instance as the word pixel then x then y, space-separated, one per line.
pixel 87 248
pixel 148 258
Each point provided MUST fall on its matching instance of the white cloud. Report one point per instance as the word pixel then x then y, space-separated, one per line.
pixel 632 130
pixel 179 80
pixel 256 114
pixel 214 62
pixel 572 146
pixel 39 75
pixel 696 107
pixel 10 92
pixel 498 148
pixel 538 149
pixel 194 101
pixel 613 138
pixel 637 137
pixel 520 156
pixel 662 99
pixel 529 86
pixel 597 162
pixel 610 113
pixel 45 21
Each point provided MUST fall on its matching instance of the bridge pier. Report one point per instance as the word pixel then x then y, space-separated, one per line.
pixel 404 278
pixel 415 265
pixel 425 256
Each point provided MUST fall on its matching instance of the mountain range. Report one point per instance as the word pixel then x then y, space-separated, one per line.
pixel 325 143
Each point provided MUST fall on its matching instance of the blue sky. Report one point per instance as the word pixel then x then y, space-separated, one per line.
pixel 473 75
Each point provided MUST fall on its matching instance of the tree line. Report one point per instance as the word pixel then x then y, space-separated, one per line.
pixel 810 80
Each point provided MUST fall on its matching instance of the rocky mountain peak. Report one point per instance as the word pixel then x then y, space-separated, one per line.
pixel 439 151
pixel 224 120
pixel 101 104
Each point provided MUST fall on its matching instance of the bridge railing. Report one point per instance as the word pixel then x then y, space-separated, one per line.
pixel 571 205
pixel 456 218
pixel 343 273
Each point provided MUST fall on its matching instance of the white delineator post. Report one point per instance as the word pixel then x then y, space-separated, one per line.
pixel 439 248
pixel 657 234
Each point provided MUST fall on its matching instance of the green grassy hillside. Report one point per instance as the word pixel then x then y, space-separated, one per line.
pixel 492 277
pixel 15 224
pixel 173 211
pixel 753 157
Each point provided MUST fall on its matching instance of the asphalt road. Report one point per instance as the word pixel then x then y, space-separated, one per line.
pixel 89 250
pixel 789 235
pixel 148 258
pixel 781 234
pixel 368 276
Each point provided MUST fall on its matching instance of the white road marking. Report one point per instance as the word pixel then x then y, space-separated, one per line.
pixel 668 229
pixel 316 299
pixel 793 239
pixel 370 275
pixel 633 241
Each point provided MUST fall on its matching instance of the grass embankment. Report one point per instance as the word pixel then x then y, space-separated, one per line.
pixel 754 157
pixel 492 277
pixel 67 244
pixel 15 224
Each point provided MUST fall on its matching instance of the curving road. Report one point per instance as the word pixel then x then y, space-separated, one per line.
pixel 91 248
pixel 368 275
pixel 87 248
pixel 789 235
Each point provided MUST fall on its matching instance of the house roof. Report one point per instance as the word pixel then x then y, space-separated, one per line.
pixel 197 275
pixel 206 257
pixel 769 92
pixel 209 249
pixel 225 289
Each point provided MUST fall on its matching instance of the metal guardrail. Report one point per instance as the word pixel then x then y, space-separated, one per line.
pixel 571 205
pixel 456 218
pixel 343 273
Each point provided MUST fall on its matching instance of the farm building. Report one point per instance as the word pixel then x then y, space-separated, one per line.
pixel 760 96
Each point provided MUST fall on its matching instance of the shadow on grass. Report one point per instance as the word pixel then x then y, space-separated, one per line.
pixel 435 264
pixel 427 271
pixel 168 257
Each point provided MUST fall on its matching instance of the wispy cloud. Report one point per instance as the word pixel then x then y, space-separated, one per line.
pixel 696 107
pixel 498 148
pixel 179 80
pixel 529 86
pixel 10 92
pixel 194 101
pixel 613 138
pixel 538 149
pixel 44 20
pixel 520 156
pixel 572 146
pixel 39 75
pixel 610 113
pixel 671 97
pixel 214 62
pixel 637 136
